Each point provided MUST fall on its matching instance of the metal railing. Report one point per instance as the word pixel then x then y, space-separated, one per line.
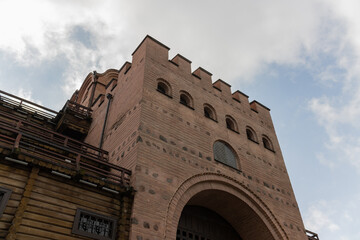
pixel 48 146
pixel 311 235
pixel 15 102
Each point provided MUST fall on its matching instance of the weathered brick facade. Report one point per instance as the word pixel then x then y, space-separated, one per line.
pixel 169 147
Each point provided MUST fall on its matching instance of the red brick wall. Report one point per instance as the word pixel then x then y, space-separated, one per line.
pixel 166 144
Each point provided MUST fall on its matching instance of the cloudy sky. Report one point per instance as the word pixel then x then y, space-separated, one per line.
pixel 299 58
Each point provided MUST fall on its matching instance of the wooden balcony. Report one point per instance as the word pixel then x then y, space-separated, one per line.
pixel 28 143
pixel 73 120
pixel 27 110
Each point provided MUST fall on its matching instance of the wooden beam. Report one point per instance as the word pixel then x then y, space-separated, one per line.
pixel 23 204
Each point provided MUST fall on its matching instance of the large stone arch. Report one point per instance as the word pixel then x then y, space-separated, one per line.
pixel 220 190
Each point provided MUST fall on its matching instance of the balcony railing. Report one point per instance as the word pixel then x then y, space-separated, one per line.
pixel 311 235
pixel 14 102
pixel 77 109
pixel 37 142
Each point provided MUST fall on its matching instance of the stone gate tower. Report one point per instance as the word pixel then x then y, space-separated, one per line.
pixel 206 163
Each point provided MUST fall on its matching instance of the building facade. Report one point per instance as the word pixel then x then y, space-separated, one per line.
pixel 185 159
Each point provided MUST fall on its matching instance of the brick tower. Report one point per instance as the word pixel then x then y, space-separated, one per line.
pixel 206 163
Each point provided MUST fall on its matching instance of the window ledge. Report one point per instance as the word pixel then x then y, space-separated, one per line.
pixel 164 93
pixel 211 119
pixel 253 141
pixel 233 130
pixel 234 168
pixel 187 106
pixel 269 149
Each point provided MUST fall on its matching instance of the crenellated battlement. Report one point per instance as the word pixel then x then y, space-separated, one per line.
pixel 240 96
pixel 182 62
pixel 223 87
pixel 157 51
pixel 256 106
pixel 202 74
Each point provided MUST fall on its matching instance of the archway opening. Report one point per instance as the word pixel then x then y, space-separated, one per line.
pixel 234 218
pixel 200 223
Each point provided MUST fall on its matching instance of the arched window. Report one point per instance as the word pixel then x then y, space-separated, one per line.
pixel 251 135
pixel 209 112
pixel 225 154
pixel 163 87
pixel 267 143
pixel 186 99
pixel 231 123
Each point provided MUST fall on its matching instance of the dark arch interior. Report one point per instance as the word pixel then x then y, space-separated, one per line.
pixel 267 143
pixel 234 212
pixel 250 135
pixel 161 87
pixel 230 124
pixel 200 223
pixel 185 100
pixel 209 113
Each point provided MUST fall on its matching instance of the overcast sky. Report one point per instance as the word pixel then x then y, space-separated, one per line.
pixel 299 58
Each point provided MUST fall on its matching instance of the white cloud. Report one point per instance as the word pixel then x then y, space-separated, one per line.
pixel 233 40
pixel 334 219
pixel 27 94
pixel 327 162
pixel 342 127
pixel 319 218
pixel 339 114
pixel 40 31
